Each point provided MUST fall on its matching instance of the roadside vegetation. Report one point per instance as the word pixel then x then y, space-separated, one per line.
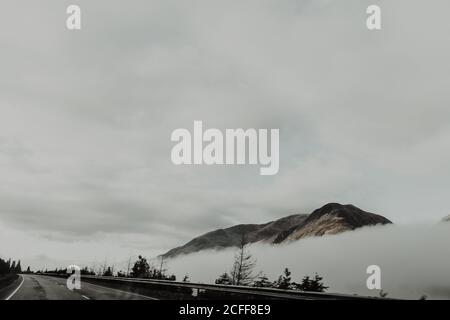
pixel 242 274
pixel 140 269
pixel 9 271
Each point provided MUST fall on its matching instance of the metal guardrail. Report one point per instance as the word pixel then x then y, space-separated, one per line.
pixel 241 290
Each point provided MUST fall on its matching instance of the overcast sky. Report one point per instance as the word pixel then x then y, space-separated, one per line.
pixel 86 117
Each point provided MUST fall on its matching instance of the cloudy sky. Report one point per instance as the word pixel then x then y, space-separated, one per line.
pixel 86 118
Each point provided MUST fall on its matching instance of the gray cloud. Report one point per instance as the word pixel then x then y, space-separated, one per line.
pixel 86 116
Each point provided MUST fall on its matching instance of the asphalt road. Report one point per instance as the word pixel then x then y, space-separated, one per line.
pixel 39 287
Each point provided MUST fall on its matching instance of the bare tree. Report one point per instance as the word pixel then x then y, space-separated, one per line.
pixel 128 268
pixel 103 267
pixel 162 269
pixel 244 263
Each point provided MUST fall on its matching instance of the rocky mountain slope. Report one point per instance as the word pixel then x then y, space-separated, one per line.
pixel 332 218
pixel 230 237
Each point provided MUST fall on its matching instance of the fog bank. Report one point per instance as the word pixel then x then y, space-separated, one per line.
pixel 414 260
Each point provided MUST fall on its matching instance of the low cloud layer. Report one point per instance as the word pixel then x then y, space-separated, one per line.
pixel 414 261
pixel 86 116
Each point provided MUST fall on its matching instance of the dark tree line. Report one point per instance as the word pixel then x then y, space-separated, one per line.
pixel 83 271
pixel 242 274
pixel 142 269
pixel 8 266
pixel 284 281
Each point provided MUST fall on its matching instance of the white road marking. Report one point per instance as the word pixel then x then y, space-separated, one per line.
pixel 14 292
pixel 132 293
pixel 87 298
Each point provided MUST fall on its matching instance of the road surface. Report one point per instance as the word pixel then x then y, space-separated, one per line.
pixel 39 287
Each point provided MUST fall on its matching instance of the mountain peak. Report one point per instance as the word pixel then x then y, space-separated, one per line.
pixel 331 218
pixel 352 214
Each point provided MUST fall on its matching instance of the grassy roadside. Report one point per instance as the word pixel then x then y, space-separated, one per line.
pixel 7 279
pixel 7 284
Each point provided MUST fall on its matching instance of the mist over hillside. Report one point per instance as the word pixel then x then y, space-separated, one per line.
pixel 332 218
pixel 414 260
